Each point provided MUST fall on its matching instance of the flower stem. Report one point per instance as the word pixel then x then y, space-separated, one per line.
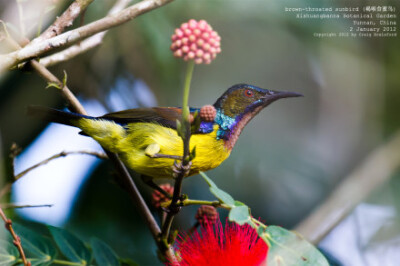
pixel 174 207
pixel 187 202
pixel 185 130
pixel 186 89
pixel 258 223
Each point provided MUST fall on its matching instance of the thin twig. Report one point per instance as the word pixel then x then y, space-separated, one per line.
pixel 14 151
pixel 99 155
pixel 13 206
pixel 376 169
pixel 33 50
pixel 84 45
pixel 17 240
pixel 166 156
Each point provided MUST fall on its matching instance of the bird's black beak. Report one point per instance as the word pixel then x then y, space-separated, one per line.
pixel 271 96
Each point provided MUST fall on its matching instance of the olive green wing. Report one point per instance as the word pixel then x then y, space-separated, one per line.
pixel 165 116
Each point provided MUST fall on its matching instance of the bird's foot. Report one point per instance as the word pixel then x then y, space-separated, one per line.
pixel 173 209
pixel 178 168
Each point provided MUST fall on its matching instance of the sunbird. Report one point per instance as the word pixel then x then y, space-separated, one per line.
pixel 136 134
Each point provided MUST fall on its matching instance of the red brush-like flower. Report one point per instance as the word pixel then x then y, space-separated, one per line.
pixel 233 245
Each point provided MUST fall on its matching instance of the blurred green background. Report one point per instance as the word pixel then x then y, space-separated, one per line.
pixel 288 159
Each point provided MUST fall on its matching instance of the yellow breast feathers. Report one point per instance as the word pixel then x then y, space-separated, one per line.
pixel 132 141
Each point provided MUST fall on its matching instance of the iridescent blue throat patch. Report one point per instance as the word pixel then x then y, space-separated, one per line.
pixel 226 123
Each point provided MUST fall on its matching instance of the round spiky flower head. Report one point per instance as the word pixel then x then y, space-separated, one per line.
pixel 158 197
pixel 208 113
pixel 196 40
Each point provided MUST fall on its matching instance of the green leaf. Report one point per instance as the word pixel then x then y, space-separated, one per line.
pixel 8 253
pixel 220 194
pixel 35 245
pixel 64 81
pixel 223 196
pixel 39 262
pixel 102 253
pixel 70 246
pixel 289 248
pixel 195 125
pixel 239 203
pixel 240 215
pixel 53 85
pixel 179 128
pixel 192 154
pixel 128 262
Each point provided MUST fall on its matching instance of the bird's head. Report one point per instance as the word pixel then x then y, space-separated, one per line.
pixel 243 99
pixel 238 105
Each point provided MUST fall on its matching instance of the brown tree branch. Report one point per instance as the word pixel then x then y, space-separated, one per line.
pixel 17 240
pixel 65 20
pixel 376 169
pixel 84 45
pixel 33 50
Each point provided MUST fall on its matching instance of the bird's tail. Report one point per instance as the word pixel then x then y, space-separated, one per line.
pixel 53 115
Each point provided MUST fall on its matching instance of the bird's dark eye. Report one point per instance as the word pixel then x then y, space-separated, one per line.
pixel 249 93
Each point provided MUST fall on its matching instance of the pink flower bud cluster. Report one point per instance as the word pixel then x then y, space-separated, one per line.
pixel 158 198
pixel 208 113
pixel 196 41
pixel 207 215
